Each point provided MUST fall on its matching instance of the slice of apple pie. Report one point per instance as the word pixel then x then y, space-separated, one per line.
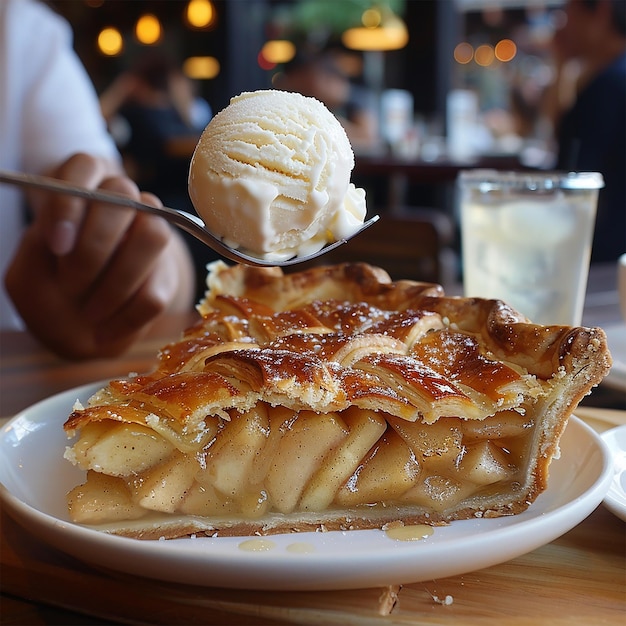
pixel 331 398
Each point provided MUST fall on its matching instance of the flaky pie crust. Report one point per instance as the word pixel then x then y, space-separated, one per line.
pixel 344 341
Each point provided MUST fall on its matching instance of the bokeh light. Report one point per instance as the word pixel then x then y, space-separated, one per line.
pixel 200 13
pixel 110 41
pixel 201 67
pixel 264 63
pixel 463 53
pixel 505 50
pixel 278 51
pixel 484 55
pixel 371 18
pixel 148 29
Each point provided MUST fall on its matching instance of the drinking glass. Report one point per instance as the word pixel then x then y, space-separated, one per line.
pixel 526 239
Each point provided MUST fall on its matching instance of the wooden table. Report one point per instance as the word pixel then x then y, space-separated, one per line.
pixel 431 172
pixel 577 579
pixel 398 173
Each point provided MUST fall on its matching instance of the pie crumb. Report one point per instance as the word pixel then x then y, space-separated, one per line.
pixel 388 599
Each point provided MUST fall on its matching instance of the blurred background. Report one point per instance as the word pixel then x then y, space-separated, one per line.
pixel 425 87
pixel 498 49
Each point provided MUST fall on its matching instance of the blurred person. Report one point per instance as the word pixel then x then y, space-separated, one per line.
pixel 86 281
pixel 165 118
pixel 591 132
pixel 319 76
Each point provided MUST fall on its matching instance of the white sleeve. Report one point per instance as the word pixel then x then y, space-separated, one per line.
pixel 49 110
pixel 57 109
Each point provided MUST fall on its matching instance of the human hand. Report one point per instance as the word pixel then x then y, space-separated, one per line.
pixel 88 280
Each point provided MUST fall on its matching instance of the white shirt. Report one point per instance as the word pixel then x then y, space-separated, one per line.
pixel 49 110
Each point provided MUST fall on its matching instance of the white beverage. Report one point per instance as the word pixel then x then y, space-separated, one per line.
pixel 529 243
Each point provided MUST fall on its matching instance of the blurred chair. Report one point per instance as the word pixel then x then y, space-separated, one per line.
pixel 411 243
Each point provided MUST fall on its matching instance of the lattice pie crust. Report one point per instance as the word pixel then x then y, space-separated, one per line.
pixel 331 398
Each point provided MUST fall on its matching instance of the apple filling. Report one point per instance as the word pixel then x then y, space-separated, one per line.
pixel 276 459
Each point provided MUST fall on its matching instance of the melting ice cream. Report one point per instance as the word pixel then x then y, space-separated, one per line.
pixel 271 175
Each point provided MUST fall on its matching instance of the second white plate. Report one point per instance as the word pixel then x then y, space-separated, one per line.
pixel 616 337
pixel 35 479
pixel 615 499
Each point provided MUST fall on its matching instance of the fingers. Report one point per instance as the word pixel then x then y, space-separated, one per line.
pixel 113 259
pixel 149 301
pixel 88 280
pixel 34 279
pixel 59 218
pixel 135 259
pixel 103 230
pixel 56 321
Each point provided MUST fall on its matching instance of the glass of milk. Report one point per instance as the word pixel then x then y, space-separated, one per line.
pixel 526 239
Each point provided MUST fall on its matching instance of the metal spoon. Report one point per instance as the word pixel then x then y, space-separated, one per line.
pixel 186 221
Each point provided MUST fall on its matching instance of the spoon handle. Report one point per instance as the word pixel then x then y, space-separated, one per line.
pixel 45 183
pixel 186 221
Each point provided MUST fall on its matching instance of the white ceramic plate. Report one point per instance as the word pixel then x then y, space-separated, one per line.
pixel 35 478
pixel 616 336
pixel 615 499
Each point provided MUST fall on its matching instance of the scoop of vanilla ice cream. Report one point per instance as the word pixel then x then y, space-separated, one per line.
pixel 271 174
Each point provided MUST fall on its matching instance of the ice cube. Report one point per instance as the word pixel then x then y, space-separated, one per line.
pixel 546 223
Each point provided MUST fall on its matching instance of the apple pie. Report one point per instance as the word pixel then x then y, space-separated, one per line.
pixel 331 398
